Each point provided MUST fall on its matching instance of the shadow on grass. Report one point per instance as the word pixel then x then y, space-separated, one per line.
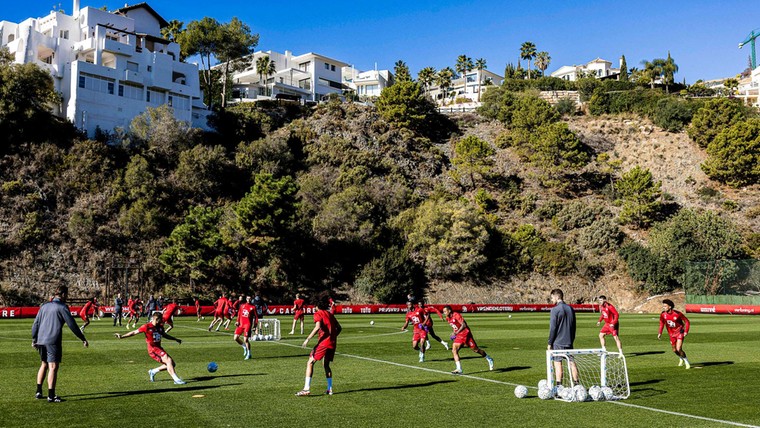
pixel 713 363
pixel 469 357
pixel 407 386
pixel 646 382
pixel 212 377
pixel 509 369
pixel 639 354
pixel 119 394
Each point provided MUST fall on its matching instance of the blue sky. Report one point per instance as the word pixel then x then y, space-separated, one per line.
pixel 702 36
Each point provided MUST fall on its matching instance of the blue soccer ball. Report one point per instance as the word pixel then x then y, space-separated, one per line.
pixel 212 367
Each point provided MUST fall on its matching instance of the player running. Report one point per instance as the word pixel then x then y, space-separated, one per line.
pixel 611 326
pixel 417 316
pixel 220 309
pixel 246 319
pixel 462 336
pixel 154 331
pixel 429 324
pixel 328 328
pixel 197 303
pixel 678 328
pixel 232 311
pixel 168 315
pixel 90 307
pixel 298 313
pixel 135 309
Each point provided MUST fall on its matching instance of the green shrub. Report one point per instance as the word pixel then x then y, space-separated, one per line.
pixel 672 114
pixel 734 155
pixel 566 107
pixel 577 214
pixel 390 277
pixel 601 236
pixel 713 117
pixel 548 210
pixel 651 271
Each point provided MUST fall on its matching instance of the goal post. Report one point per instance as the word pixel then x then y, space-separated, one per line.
pixel 268 329
pixel 595 367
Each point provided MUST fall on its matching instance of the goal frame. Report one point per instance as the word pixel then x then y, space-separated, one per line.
pixel 274 328
pixel 620 383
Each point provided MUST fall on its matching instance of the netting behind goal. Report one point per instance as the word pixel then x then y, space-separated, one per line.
pixel 595 367
pixel 268 329
pixel 729 282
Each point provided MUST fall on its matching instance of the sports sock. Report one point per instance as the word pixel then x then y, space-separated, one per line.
pixel 175 377
pixel 329 383
pixel 153 371
pixel 443 342
pixel 39 388
pixel 307 384
pixel 51 393
pixel 459 365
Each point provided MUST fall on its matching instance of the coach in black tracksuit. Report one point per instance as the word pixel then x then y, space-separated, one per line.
pixel 562 333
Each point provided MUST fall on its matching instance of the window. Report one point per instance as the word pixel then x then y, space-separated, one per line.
pixel 133 66
pixel 156 97
pixel 133 92
pixel 179 102
pixel 150 68
pixel 64 34
pixel 96 83
pixel 305 66
pixel 332 68
pixel 327 66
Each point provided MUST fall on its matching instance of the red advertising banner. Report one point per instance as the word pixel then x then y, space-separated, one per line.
pixel 723 309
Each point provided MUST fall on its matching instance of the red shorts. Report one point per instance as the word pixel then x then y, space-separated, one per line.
pixel 321 351
pixel 156 352
pixel 675 337
pixel 466 339
pixel 420 335
pixel 610 329
pixel 168 320
pixel 244 330
pixel 218 313
pixel 84 316
pixel 298 314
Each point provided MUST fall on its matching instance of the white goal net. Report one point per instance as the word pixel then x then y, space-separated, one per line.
pixel 267 329
pixel 594 367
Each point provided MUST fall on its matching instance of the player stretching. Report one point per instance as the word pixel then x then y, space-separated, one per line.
pixel 429 324
pixel 168 315
pixel 220 308
pixel 678 328
pixel 297 313
pixel 462 336
pixel 246 318
pixel 154 331
pixel 417 316
pixel 611 326
pixel 84 313
pixel 328 328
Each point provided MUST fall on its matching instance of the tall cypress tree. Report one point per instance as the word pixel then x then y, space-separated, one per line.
pixel 623 69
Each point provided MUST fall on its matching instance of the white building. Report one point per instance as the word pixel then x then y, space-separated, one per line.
pixel 599 68
pixel 307 77
pixel 108 66
pixel 367 84
pixel 467 86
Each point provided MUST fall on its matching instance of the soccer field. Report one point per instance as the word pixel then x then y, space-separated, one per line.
pixel 377 379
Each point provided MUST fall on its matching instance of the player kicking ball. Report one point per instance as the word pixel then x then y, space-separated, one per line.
pixel 678 328
pixel 154 331
pixel 462 336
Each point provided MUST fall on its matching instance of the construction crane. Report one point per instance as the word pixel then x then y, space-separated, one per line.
pixel 751 39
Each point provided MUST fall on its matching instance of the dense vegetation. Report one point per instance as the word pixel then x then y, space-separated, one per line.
pixel 372 201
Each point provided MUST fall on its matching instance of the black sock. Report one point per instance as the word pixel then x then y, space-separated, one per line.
pixel 51 393
pixel 39 388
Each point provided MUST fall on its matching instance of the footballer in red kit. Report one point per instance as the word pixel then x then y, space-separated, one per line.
pixel 154 332
pixel 611 318
pixel 298 313
pixel 678 327
pixel 417 317
pixel 429 310
pixel 198 309
pixel 462 336
pixel 85 312
pixel 328 328
pixel 220 307
pixel 247 318
pixel 168 314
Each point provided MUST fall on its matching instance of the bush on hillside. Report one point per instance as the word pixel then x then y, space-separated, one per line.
pixel 734 155
pixel 715 116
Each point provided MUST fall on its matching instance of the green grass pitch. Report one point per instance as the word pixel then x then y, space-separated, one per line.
pixel 378 381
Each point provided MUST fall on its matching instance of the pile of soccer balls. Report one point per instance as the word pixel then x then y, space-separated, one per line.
pixel 262 337
pixel 577 393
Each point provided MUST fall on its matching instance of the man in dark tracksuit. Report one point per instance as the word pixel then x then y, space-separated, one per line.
pixel 47 338
pixel 117 309
pixel 562 333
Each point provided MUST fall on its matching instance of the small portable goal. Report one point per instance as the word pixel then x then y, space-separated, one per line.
pixel 596 367
pixel 268 329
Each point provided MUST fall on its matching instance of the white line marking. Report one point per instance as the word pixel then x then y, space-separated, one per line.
pixel 682 414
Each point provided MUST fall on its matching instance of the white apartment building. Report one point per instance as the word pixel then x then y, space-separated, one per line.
pixel 307 77
pixel 598 68
pixel 467 86
pixel 108 66
pixel 367 84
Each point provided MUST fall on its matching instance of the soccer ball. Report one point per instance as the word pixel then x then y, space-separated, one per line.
pixel 567 394
pixel 544 393
pixel 372 323
pixel 607 391
pixel 269 337
pixel 521 391
pixel 260 337
pixel 595 393
pixel 266 325
pixel 543 384
pixel 580 393
pixel 558 390
pixel 212 367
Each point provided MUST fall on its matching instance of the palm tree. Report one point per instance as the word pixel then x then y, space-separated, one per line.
pixel 463 66
pixel 480 65
pixel 669 68
pixel 652 70
pixel 542 61
pixel 265 67
pixel 172 30
pixel 426 76
pixel 528 52
pixel 443 79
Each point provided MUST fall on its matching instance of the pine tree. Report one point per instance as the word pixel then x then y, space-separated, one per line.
pixel 623 69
